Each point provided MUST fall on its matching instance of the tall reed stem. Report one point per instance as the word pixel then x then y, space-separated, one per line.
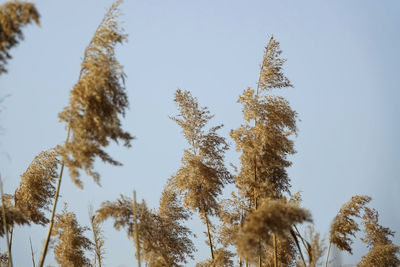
pixel 275 251
pixel 33 257
pixel 53 211
pixel 11 235
pixel 136 232
pixel 210 240
pixel 298 246
pixel 5 227
pixel 327 257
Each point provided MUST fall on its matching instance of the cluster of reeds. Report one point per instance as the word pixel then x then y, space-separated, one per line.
pixel 256 226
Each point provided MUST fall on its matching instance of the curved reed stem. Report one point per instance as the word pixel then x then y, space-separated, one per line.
pixel 327 257
pixel 275 251
pixel 136 233
pixel 53 211
pixel 33 256
pixel 209 239
pixel 10 263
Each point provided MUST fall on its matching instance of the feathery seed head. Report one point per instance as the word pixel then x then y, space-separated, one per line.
pixel 271 74
pixel 13 16
pixel 272 217
pixel 13 215
pixel 72 244
pixel 382 250
pixel 203 174
pixel 344 225
pixel 37 189
pixel 96 102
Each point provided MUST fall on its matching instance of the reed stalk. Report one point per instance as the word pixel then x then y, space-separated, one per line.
pixel 210 241
pixel 327 256
pixel 53 211
pixel 136 231
pixel 5 227
pixel 33 257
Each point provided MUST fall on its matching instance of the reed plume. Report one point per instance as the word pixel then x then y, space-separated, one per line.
pixel 222 258
pixel 271 72
pixel 286 252
pixel 382 250
pixel 174 237
pixel 163 239
pixel 96 101
pixel 13 215
pixel 315 247
pixel 98 238
pixel 13 16
pixel 232 213
pixel 37 189
pixel 203 174
pixel 344 225
pixel 265 146
pixel 264 138
pixel 71 242
pixel 119 210
pixel 272 217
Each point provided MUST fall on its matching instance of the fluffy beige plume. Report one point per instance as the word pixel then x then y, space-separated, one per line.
pixel 96 102
pixel 171 242
pixel 14 216
pixel 315 248
pixel 203 173
pixel 264 146
pixel 344 225
pixel 37 189
pixel 222 258
pixel 271 73
pixel 232 214
pixel 164 240
pixel 71 244
pixel 98 238
pixel 121 211
pixel 272 217
pixel 286 252
pixel 382 250
pixel 13 16
pixel 264 138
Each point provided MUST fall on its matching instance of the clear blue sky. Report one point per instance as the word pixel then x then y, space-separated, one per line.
pixel 343 60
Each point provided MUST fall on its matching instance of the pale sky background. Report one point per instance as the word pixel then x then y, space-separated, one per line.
pixel 343 60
